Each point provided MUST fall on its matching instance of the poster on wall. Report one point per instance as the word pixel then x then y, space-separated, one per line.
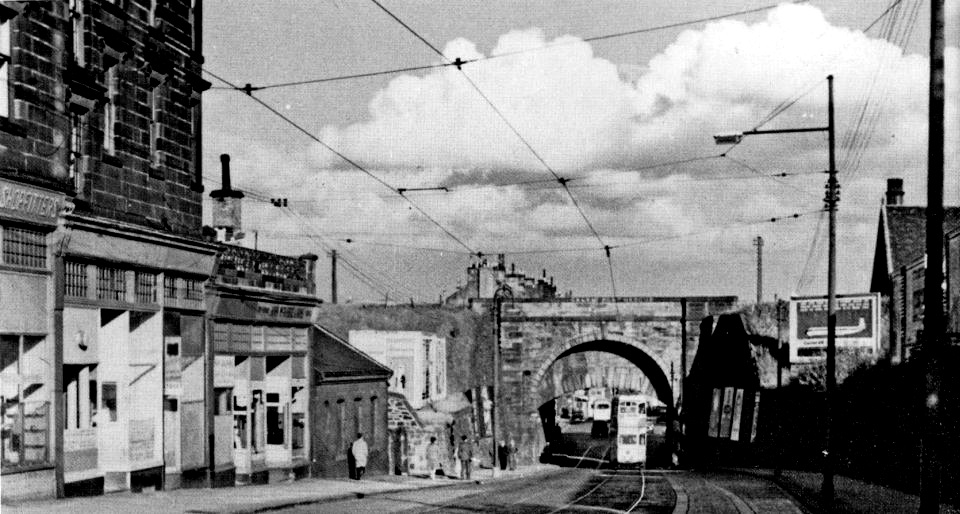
pixel 737 415
pixel 713 430
pixel 858 317
pixel 726 415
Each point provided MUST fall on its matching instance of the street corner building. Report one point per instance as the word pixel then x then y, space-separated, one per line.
pixel 103 264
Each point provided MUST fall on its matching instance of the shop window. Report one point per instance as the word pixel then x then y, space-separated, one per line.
pixel 222 401
pixel 145 287
pixel 25 408
pixel 170 287
pixel 75 279
pixel 221 337
pixel 23 247
pixel 298 430
pixel 173 349
pixel 274 424
pixel 194 289
pixel 111 284
pixel 257 422
pixel 80 383
pixel 110 400
pixel 240 431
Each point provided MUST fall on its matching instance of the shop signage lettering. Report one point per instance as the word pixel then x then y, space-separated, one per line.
pixel 26 202
pixel 272 310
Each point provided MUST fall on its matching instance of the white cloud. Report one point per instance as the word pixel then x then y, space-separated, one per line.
pixel 600 121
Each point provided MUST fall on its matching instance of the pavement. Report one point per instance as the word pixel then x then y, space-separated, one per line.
pixel 254 498
pixel 852 496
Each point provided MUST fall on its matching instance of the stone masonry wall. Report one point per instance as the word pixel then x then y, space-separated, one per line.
pixel 148 172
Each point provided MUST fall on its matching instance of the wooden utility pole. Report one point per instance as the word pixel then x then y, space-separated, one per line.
pixel 933 319
pixel 758 242
pixel 333 277
pixel 832 198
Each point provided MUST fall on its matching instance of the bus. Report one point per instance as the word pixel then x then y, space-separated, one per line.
pixel 601 418
pixel 579 411
pixel 630 426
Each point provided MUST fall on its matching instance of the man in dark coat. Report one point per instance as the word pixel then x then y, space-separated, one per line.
pixel 465 454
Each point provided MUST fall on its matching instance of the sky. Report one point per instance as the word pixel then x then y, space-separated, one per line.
pixel 628 121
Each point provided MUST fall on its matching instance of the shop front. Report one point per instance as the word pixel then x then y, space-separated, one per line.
pixel 259 342
pixel 28 221
pixel 132 356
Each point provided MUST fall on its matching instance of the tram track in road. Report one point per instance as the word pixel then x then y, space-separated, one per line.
pixel 584 457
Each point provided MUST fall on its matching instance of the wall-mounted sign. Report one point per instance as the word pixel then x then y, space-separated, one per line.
pixel 29 203
pixel 858 318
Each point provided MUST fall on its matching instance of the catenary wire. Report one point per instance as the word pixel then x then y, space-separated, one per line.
pixel 348 161
pixel 644 30
pixel 523 140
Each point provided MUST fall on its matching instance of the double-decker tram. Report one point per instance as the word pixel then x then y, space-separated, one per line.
pixel 629 423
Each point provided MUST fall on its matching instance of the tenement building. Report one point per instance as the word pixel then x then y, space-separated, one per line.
pixel 101 313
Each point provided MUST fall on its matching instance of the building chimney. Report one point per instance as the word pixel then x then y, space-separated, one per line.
pixel 225 171
pixel 894 191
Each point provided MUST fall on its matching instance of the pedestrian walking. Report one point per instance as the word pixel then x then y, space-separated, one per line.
pixel 465 454
pixel 502 455
pixel 512 454
pixel 359 451
pixel 434 463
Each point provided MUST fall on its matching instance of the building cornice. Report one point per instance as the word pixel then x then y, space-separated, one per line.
pixel 135 232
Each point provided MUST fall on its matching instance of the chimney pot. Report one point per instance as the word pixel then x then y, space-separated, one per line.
pixel 225 171
pixel 894 191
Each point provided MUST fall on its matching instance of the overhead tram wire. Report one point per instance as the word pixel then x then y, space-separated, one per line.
pixel 644 30
pixel 384 276
pixel 562 181
pixel 348 161
pixel 337 78
pixel 346 255
pixel 869 113
pixel 761 174
pixel 361 275
pixel 814 245
pixel 786 104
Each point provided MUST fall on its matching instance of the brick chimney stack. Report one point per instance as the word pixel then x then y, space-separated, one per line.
pixel 894 191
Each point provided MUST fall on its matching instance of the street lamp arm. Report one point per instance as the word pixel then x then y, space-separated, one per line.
pixel 786 131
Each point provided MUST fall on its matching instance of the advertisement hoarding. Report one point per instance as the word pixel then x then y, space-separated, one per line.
pixel 858 319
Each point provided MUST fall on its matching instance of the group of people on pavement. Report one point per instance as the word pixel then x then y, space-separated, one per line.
pixel 463 457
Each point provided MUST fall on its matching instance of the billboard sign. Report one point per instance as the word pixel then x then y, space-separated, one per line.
pixel 858 319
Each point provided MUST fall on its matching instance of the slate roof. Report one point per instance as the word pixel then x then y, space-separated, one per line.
pixel 335 359
pixel 901 238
